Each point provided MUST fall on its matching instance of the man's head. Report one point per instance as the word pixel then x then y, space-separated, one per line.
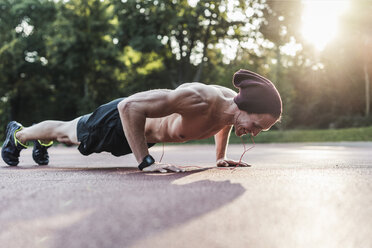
pixel 252 123
pixel 257 95
pixel 259 102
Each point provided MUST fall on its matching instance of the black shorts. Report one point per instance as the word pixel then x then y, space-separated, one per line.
pixel 102 131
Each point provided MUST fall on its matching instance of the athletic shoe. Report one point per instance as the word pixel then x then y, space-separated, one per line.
pixel 40 152
pixel 12 147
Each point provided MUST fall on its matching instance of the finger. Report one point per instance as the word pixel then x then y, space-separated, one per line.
pixel 161 170
pixel 173 168
pixel 236 163
pixel 243 164
pixel 147 169
pixel 153 168
pixel 231 163
pixel 222 164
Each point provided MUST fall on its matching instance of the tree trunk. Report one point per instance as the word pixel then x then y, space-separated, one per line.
pixel 278 65
pixel 201 65
pixel 199 72
pixel 367 83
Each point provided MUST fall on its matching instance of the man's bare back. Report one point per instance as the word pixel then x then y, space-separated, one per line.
pixel 203 115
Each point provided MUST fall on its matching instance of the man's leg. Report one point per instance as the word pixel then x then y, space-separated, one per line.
pixel 42 134
pixel 47 131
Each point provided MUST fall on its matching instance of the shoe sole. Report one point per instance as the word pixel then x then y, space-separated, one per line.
pixel 35 159
pixel 6 135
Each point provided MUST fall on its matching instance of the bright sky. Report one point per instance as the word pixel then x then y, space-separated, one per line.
pixel 320 20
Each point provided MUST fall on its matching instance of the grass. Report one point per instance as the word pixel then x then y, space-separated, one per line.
pixel 318 135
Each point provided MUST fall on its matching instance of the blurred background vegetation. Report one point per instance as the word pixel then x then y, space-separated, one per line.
pixel 61 59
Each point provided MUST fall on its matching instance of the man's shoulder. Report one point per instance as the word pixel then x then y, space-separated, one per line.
pixel 202 92
pixel 227 92
pixel 194 85
pixel 208 89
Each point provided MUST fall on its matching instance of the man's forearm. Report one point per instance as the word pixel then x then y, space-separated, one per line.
pixel 221 140
pixel 133 122
pixel 221 154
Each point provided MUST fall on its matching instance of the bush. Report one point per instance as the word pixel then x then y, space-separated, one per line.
pixel 352 121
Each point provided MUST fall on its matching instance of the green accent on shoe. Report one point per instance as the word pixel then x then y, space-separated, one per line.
pixel 16 140
pixel 49 144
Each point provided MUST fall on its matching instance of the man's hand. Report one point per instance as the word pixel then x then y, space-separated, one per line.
pixel 159 167
pixel 229 162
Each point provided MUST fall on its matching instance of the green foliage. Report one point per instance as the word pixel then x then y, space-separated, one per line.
pixel 176 31
pixel 351 121
pixel 82 57
pixel 330 135
pixel 300 135
pixel 145 71
pixel 24 86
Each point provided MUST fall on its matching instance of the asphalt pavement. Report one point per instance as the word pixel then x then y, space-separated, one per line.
pixel 293 195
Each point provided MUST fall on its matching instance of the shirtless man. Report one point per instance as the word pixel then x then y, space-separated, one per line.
pixel 193 111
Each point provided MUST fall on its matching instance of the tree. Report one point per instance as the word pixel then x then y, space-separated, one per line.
pixel 360 30
pixel 349 60
pixel 281 27
pixel 83 59
pixel 180 33
pixel 25 92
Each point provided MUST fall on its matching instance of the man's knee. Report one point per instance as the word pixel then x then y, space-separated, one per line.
pixel 71 131
pixel 65 140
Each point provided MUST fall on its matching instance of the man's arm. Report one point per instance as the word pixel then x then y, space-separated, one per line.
pixel 221 141
pixel 154 104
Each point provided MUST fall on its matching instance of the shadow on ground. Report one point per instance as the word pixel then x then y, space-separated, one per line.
pixel 109 207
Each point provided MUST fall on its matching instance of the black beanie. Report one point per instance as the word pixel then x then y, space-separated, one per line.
pixel 256 94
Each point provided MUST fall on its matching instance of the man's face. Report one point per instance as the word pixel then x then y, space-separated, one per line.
pixel 253 123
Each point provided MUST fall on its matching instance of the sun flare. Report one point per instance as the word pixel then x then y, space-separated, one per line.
pixel 320 20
